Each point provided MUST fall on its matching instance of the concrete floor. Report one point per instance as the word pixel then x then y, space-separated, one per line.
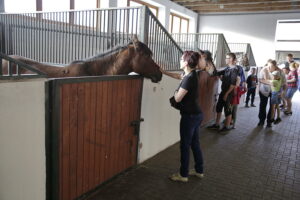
pixel 249 162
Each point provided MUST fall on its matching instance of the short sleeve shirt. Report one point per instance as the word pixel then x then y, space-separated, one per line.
pixel 190 102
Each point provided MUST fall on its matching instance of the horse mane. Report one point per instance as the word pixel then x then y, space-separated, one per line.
pixel 109 52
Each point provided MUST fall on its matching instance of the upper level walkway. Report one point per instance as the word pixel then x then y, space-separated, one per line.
pixel 249 162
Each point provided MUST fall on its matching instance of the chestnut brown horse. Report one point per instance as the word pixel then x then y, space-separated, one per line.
pixel 134 57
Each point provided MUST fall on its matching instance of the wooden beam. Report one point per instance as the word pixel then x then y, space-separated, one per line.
pixel 249 9
pixel 242 6
pixel 247 2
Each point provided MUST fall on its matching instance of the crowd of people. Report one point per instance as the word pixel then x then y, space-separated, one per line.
pixel 275 85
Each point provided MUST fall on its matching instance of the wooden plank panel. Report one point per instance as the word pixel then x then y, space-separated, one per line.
pixel 92 136
pixel 73 140
pixel 104 127
pixel 80 160
pixel 86 147
pixel 125 123
pixel 98 145
pixel 108 135
pixel 65 143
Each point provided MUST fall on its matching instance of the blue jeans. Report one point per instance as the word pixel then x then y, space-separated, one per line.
pixel 189 138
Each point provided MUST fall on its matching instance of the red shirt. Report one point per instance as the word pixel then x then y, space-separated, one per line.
pixel 239 91
pixel 290 76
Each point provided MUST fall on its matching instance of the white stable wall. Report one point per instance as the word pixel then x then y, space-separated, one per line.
pixel 161 126
pixel 22 140
pixel 256 29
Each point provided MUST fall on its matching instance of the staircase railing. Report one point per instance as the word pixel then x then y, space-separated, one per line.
pixel 14 71
pixel 243 50
pixel 213 42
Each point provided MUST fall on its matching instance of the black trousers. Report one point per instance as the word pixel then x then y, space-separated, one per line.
pixel 263 108
pixel 250 93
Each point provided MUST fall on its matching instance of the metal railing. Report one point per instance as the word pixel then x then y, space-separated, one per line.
pixel 15 72
pixel 62 37
pixel 213 42
pixel 167 52
pixel 244 53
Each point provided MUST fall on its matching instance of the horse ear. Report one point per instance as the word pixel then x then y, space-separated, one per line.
pixel 135 40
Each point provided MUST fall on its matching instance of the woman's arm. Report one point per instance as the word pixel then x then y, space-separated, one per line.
pixel 171 74
pixel 180 94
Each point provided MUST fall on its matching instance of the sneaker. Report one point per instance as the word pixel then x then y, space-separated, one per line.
pixel 178 177
pixel 288 113
pixel 260 124
pixel 194 173
pixel 225 129
pixel 246 105
pixel 269 125
pixel 252 105
pixel 277 121
pixel 272 120
pixel 214 127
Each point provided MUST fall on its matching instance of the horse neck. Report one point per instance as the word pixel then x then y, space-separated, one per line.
pixel 110 65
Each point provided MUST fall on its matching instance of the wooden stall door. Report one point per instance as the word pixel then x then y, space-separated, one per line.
pixel 208 95
pixel 96 138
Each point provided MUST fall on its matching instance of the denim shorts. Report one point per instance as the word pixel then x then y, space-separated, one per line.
pixel 290 92
pixel 275 98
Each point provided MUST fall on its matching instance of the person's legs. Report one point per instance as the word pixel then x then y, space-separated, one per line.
pixel 262 108
pixel 248 97
pixel 289 95
pixel 195 146
pixel 234 113
pixel 252 96
pixel 186 133
pixel 269 123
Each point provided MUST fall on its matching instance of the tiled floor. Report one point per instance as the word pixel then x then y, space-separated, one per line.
pixel 247 163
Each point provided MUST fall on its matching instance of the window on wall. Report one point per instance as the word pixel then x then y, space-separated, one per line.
pixel 84 4
pixel 178 24
pixel 153 9
pixel 22 6
pixel 52 5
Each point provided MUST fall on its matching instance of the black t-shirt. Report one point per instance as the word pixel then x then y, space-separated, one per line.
pixel 229 76
pixel 190 102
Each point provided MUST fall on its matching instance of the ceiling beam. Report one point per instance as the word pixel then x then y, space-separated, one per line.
pixel 238 6
pixel 249 9
pixel 238 2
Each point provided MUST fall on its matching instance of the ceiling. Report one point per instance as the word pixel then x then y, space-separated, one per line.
pixel 239 6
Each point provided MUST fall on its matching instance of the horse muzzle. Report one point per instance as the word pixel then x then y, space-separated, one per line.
pixel 156 78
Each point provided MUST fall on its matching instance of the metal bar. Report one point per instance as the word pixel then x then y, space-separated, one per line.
pixel 1 72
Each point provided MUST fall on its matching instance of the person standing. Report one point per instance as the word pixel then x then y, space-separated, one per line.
pixel 265 92
pixel 229 79
pixel 186 99
pixel 292 80
pixel 251 85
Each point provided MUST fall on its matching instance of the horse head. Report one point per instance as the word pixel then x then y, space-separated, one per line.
pixel 206 62
pixel 142 62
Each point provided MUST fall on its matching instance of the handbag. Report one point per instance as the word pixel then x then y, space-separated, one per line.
pixel 175 104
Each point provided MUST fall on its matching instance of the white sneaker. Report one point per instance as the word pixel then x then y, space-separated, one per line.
pixel 194 173
pixel 178 177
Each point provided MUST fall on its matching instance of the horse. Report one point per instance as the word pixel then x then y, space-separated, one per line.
pixel 122 60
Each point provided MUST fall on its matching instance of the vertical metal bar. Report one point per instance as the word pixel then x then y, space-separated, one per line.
pixel 93 31
pixel 72 35
pixel 75 32
pixel 104 31
pixel 86 34
pixel 59 33
pixel 34 30
pixel 124 24
pixel 9 68
pixel 1 72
